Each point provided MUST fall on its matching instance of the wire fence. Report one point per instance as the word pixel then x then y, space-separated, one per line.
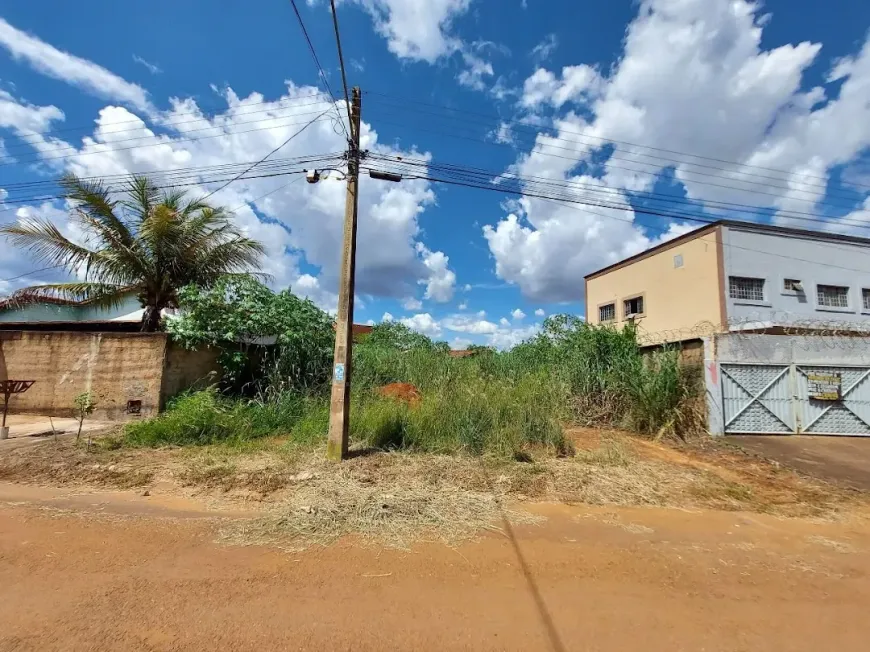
pixel 813 333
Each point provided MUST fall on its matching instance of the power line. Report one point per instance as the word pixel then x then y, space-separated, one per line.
pixel 187 184
pixel 480 174
pixel 653 173
pixel 195 174
pixel 317 61
pixel 341 62
pixel 568 204
pixel 194 170
pixel 39 159
pixel 528 131
pixel 35 271
pixel 405 100
pixel 241 174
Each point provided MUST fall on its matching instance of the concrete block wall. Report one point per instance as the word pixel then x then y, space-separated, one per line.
pixel 115 367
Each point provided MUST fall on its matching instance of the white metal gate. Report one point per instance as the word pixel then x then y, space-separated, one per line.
pixel 775 399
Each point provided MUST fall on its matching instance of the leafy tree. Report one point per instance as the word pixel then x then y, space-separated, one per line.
pixel 292 338
pixel 398 336
pixel 138 241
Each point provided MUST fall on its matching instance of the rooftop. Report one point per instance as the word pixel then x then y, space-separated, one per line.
pixel 736 224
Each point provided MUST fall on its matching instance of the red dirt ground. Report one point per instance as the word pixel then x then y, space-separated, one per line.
pixel 405 392
pixel 108 574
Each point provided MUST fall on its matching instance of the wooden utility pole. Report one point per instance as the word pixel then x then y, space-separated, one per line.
pixel 339 405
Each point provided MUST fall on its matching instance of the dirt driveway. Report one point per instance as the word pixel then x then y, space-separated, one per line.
pixel 103 574
pixel 842 459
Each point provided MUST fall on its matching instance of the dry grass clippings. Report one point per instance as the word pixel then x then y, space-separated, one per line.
pixel 399 497
pixel 393 499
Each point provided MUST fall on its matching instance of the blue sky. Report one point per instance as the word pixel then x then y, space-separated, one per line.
pixel 601 96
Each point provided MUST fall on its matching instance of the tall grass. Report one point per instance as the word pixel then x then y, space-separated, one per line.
pixel 494 402
pixel 206 417
pixel 467 413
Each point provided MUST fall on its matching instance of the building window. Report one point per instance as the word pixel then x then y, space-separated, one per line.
pixel 607 313
pixel 865 296
pixel 633 306
pixel 745 288
pixel 792 285
pixel 832 296
pixel 678 261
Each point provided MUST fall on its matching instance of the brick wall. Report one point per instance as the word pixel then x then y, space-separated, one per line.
pixel 185 369
pixel 115 367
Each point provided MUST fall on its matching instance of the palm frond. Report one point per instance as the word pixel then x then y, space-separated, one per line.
pixel 46 243
pixel 96 294
pixel 238 254
pixel 142 197
pixel 94 201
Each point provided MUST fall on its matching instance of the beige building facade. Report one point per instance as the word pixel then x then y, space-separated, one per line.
pixel 673 292
pixel 736 276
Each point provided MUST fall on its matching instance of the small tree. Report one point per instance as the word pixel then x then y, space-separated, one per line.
pixel 237 312
pixel 85 405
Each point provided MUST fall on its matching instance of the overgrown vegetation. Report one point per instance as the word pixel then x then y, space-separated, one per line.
pixel 277 352
pixel 271 343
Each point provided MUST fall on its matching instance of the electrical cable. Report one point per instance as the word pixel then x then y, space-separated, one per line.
pixel 323 77
pixel 527 181
pixel 567 203
pixel 191 170
pixel 341 64
pixel 645 172
pixel 40 159
pixel 196 175
pixel 166 125
pixel 405 101
pixel 262 160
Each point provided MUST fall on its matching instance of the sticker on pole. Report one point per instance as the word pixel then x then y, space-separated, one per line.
pixel 338 375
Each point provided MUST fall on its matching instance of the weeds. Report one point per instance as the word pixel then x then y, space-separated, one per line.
pixel 206 417
pixel 503 403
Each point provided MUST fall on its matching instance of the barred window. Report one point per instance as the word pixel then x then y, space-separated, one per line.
pixel 748 289
pixel 833 296
pixel 865 294
pixel 607 313
pixel 633 306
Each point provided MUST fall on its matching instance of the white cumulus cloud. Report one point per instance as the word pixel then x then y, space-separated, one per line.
pixel 423 323
pixel 418 30
pixel 297 222
pixel 693 77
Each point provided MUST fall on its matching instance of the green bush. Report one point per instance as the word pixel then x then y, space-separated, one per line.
pixel 205 417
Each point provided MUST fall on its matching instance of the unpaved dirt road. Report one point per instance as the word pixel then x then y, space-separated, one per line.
pixel 120 572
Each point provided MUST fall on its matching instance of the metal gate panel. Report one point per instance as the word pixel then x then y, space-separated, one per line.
pixel 757 399
pixel 848 416
pixel 775 399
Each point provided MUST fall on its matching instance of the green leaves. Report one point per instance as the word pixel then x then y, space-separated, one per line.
pixel 239 311
pixel 148 243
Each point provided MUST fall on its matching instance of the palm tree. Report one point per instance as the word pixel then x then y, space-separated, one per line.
pixel 144 242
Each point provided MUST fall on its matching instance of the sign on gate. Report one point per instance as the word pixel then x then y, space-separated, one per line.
pixel 825 386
